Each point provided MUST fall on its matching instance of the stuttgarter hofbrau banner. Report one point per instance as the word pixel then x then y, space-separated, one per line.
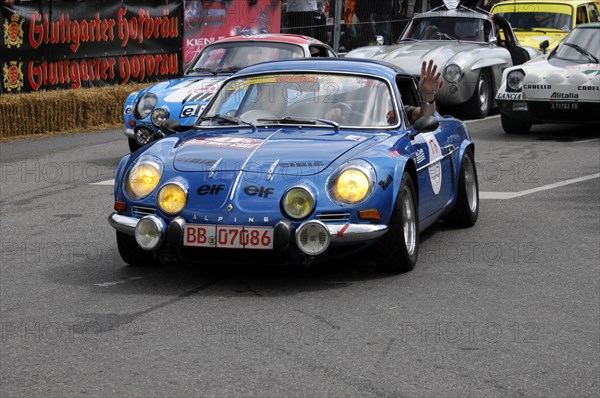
pixel 68 44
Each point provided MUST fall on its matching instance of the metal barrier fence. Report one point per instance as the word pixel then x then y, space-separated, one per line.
pixel 348 24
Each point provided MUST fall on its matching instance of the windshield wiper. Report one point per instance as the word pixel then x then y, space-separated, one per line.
pixel 229 119
pixel 582 51
pixel 300 120
pixel 197 70
pixel 446 35
pixel 229 69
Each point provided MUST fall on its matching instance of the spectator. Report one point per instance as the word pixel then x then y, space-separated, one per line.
pixel 301 17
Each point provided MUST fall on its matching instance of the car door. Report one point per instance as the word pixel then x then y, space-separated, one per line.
pixel 432 150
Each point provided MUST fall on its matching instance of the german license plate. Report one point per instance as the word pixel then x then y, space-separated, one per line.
pixel 564 106
pixel 228 236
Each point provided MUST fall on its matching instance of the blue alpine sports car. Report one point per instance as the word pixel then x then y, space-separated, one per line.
pixel 295 162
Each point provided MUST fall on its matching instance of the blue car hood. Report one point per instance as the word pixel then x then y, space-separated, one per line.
pixel 191 90
pixel 303 151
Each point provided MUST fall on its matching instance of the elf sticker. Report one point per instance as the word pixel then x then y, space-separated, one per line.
pixel 435 166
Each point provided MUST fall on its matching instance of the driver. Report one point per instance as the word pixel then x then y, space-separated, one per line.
pixel 339 113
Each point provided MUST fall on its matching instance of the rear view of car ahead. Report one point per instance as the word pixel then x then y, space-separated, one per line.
pixel 535 21
pixel 295 162
pixel 563 87
pixel 184 99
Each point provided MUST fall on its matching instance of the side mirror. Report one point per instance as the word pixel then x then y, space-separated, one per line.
pixel 544 46
pixel 171 126
pixel 424 124
pixel 493 40
pixel 380 40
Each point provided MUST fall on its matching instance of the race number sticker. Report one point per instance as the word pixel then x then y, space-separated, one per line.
pixel 435 166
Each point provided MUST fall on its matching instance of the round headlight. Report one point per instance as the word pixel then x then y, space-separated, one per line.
pixel 453 73
pixel 351 186
pixel 145 105
pixel 150 233
pixel 514 80
pixel 159 116
pixel 142 179
pixel 298 203
pixel 312 237
pixel 143 135
pixel 172 198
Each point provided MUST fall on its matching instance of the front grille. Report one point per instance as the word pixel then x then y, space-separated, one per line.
pixel 142 211
pixel 333 217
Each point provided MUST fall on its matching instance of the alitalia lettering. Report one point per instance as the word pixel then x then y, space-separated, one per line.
pixel 537 86
pixel 588 88
pixel 556 95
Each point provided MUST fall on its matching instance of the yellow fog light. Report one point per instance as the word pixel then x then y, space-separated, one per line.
pixel 172 198
pixel 142 180
pixel 298 203
pixel 352 186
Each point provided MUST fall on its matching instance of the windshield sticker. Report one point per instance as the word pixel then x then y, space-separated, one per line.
pixel 226 142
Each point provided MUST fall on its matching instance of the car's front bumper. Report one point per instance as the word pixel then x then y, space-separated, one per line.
pixel 546 112
pixel 339 234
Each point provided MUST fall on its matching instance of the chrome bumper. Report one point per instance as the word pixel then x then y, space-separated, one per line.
pixel 339 233
pixel 128 133
pixel 123 224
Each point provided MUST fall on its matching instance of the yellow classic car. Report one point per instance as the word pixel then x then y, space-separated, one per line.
pixel 535 21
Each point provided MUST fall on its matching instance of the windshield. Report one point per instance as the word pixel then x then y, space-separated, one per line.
pixel 581 45
pixel 231 57
pixel 444 28
pixel 303 98
pixel 530 17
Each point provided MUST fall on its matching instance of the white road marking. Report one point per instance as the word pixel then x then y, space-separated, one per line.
pixel 105 182
pixel 584 141
pixel 511 195
pixel 107 284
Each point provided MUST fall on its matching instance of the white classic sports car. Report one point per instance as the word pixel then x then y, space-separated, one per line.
pixel 562 87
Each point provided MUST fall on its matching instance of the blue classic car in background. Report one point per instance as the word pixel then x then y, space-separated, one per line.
pixel 184 99
pixel 266 177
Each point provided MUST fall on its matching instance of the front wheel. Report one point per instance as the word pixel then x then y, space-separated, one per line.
pixel 514 126
pixel 132 254
pixel 398 249
pixel 480 103
pixel 466 208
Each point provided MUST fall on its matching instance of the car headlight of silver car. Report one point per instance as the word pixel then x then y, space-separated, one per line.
pixel 143 177
pixel 159 115
pixel 145 105
pixel 351 183
pixel 514 80
pixel 453 73
pixel 298 203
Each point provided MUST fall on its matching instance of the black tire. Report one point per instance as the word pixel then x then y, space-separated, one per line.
pixel 132 254
pixel 480 103
pixel 514 126
pixel 398 249
pixel 466 208
pixel 133 145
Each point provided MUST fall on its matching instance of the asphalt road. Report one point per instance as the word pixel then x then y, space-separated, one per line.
pixel 507 308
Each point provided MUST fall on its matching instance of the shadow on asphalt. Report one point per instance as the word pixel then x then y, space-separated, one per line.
pixel 229 279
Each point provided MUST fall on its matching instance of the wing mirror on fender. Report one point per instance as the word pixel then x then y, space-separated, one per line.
pixel 171 126
pixel 424 124
pixel 379 40
pixel 544 46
